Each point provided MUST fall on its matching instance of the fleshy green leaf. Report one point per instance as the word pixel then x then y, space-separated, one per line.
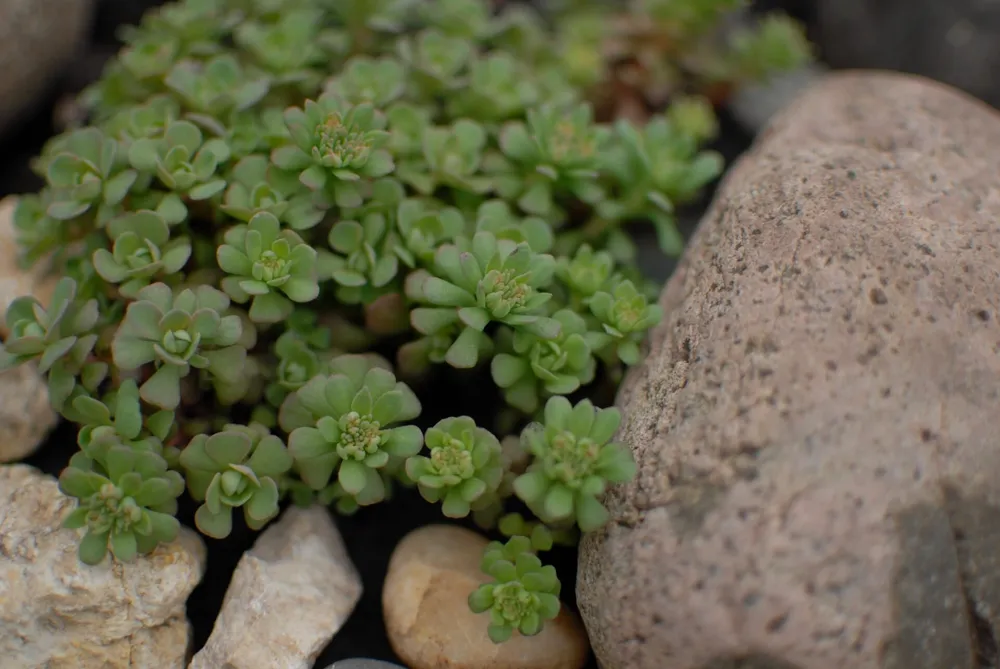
pixel 216 525
pixel 352 476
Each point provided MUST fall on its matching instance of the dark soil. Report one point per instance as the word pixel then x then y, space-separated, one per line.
pixel 370 535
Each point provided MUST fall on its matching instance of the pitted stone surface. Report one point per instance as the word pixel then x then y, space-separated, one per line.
pixel 58 613
pixel 816 424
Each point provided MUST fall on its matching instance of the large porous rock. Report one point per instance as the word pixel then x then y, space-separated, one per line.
pixel 290 594
pixel 425 601
pixel 58 613
pixel 816 423
pixel 38 39
pixel 953 41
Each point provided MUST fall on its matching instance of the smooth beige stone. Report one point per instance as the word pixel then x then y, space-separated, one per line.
pixel 26 416
pixel 15 281
pixel 425 602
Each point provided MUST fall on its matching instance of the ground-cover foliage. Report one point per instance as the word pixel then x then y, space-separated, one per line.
pixel 284 216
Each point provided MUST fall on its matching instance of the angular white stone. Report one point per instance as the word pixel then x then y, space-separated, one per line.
pixel 290 594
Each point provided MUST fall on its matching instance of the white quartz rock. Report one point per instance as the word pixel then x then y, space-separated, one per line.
pixel 290 594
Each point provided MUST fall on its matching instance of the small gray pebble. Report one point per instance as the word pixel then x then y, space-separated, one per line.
pixel 363 664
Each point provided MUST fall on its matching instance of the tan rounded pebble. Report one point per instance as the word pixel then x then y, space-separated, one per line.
pixel 816 422
pixel 425 601
pixel 26 416
pixel 15 281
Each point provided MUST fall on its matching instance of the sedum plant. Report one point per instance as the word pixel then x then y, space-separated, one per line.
pixel 141 250
pixel 286 223
pixel 523 595
pixel 237 468
pixel 59 338
pixel 463 465
pixel 574 460
pixel 127 499
pixel 177 333
pixel 271 268
pixel 341 423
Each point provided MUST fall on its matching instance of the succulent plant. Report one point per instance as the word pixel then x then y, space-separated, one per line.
pixel 237 468
pixel 142 249
pixel 496 216
pixel 585 273
pixel 659 167
pixel 542 537
pixel 119 421
pixel 553 151
pixel 89 171
pixel 377 81
pixel 452 156
pixel 364 257
pixel 182 160
pixel 436 59
pixel 464 463
pixel 60 338
pixel 126 501
pixel 625 316
pixel 297 364
pixel 524 594
pixel 256 186
pixel 574 460
pixel 37 233
pixel 499 89
pixel 538 366
pixel 479 281
pixel 267 200
pixel 341 423
pixel 336 145
pixel 286 47
pixel 270 267
pixel 176 333
pixel 217 86
pixel 421 230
